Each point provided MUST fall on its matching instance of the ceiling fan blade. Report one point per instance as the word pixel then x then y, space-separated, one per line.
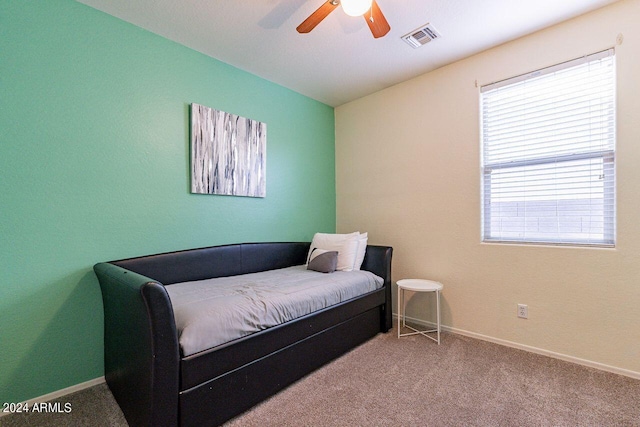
pixel 377 22
pixel 316 17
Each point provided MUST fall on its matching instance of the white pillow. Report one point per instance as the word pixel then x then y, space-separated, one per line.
pixel 345 244
pixel 362 248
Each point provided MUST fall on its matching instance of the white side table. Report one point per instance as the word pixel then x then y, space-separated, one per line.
pixel 418 285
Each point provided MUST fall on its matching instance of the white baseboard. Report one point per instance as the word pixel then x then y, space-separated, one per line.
pixel 565 357
pixel 59 393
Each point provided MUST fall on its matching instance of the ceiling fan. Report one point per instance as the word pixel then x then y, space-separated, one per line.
pixel 368 9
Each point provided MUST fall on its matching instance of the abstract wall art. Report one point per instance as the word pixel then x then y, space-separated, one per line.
pixel 228 153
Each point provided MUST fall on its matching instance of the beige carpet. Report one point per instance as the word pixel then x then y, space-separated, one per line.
pixel 415 382
pixel 462 382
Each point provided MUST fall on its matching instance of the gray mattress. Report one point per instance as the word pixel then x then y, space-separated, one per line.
pixel 212 312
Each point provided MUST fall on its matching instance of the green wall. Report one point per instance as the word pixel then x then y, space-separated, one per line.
pixel 94 166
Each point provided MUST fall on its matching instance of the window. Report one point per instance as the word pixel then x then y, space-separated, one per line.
pixel 548 155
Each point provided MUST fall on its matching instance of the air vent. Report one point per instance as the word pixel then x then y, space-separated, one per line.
pixel 421 36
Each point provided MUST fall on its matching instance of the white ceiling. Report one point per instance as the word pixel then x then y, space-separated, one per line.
pixel 339 60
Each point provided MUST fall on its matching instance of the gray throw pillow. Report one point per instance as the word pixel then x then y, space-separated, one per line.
pixel 323 261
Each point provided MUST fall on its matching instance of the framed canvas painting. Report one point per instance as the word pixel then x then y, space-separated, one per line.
pixel 228 153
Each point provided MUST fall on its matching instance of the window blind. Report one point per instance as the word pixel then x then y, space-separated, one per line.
pixel 548 155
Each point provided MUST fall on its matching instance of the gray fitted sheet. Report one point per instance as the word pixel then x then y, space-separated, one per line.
pixel 215 311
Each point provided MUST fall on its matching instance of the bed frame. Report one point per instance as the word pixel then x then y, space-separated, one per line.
pixel 155 386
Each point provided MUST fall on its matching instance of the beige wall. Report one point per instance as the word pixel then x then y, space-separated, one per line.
pixel 408 173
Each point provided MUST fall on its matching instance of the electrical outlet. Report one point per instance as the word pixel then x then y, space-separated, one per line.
pixel 523 311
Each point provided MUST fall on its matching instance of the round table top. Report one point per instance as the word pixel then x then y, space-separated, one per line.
pixel 419 285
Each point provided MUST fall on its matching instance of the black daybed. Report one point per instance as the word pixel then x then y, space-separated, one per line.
pixel 156 385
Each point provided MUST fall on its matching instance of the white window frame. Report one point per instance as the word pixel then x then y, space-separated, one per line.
pixel 528 163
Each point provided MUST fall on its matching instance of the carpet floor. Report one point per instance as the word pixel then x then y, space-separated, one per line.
pixel 415 382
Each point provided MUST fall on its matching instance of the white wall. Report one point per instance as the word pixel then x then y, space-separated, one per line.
pixel 408 173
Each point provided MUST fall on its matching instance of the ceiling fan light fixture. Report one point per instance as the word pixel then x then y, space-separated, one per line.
pixel 356 7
